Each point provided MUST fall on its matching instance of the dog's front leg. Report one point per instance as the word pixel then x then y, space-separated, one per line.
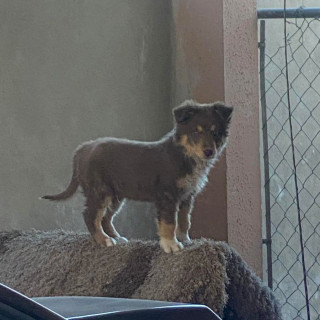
pixel 166 228
pixel 184 223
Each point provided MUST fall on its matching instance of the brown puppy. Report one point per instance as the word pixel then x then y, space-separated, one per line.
pixel 169 172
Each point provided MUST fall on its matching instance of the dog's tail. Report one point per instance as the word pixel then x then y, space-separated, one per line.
pixel 71 189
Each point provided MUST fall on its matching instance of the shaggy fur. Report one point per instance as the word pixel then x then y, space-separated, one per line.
pixel 169 172
pixel 39 263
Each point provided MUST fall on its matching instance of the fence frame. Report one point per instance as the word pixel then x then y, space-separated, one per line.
pixel 262 14
pixel 301 12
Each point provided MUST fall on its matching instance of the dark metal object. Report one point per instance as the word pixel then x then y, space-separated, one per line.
pixel 14 306
pixel 292 13
pixel 294 162
pixel 266 241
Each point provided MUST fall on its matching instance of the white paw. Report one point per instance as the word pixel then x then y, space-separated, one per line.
pixel 169 246
pixel 110 242
pixel 121 240
pixel 184 237
pixel 105 241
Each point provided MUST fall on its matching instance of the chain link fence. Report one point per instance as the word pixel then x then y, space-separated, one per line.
pixel 284 261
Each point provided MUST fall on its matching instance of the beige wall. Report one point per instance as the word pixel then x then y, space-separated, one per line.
pixel 243 158
pixel 216 58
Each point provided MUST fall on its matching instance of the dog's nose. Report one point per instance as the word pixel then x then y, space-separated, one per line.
pixel 208 153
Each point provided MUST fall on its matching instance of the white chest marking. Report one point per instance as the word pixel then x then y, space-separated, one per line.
pixel 193 183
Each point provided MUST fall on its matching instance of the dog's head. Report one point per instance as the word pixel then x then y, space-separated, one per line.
pixel 202 129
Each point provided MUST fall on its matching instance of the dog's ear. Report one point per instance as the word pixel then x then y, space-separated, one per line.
pixel 223 111
pixel 185 112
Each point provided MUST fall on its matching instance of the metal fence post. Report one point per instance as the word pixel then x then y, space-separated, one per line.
pixel 267 241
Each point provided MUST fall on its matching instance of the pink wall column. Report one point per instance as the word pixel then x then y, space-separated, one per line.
pixel 243 159
pixel 216 58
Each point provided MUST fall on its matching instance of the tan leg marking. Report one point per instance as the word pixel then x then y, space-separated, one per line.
pixel 168 240
pixel 100 236
pixel 166 230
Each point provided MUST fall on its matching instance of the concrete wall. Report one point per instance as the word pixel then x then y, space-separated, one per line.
pixel 72 71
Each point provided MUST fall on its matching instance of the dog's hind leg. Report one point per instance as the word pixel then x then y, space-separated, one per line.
pixel 93 215
pixel 113 208
pixel 166 227
pixel 184 224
